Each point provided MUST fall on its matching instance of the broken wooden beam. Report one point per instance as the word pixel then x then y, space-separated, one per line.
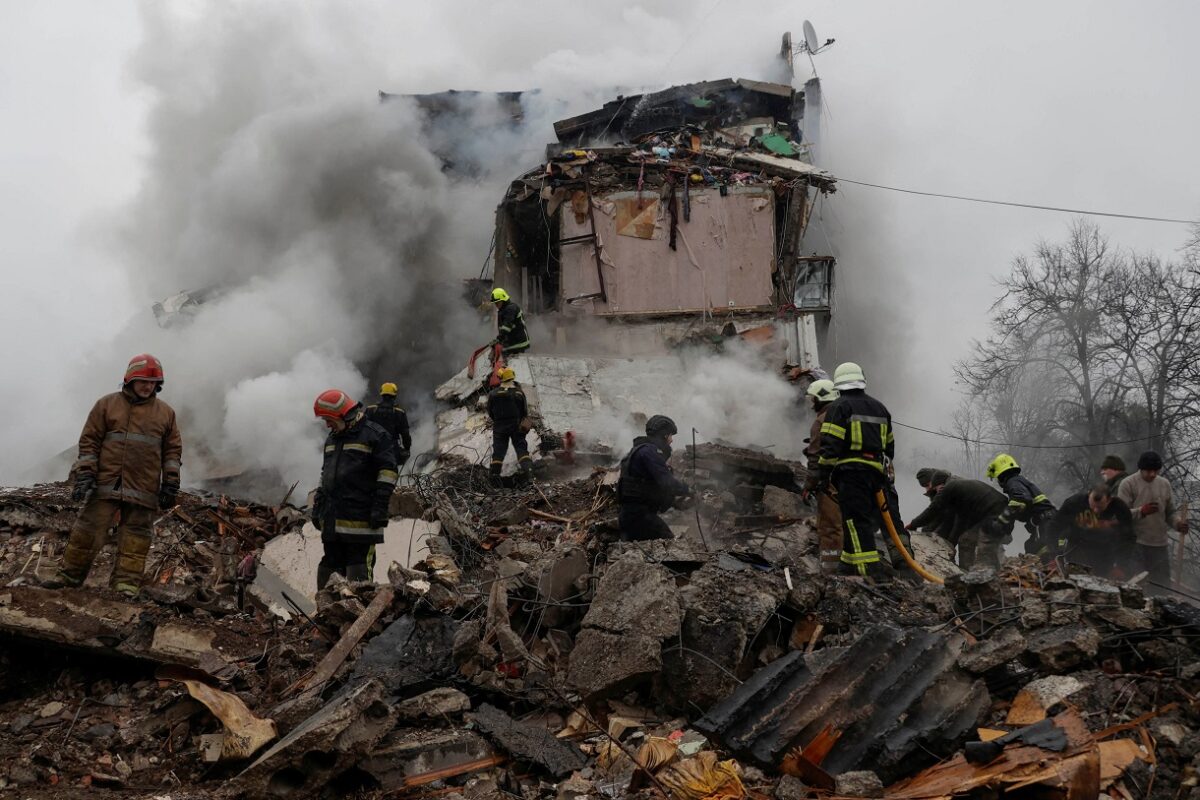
pixel 341 651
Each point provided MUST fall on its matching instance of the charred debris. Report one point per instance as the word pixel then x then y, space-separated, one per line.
pixel 523 651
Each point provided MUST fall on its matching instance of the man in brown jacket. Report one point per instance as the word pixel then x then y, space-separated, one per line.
pixel 829 515
pixel 128 467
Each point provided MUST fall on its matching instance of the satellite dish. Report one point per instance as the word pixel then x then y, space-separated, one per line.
pixel 810 37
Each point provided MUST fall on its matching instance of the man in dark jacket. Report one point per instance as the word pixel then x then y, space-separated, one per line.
pixel 1095 529
pixel 1026 503
pixel 647 486
pixel 965 505
pixel 856 442
pixel 508 408
pixel 511 333
pixel 357 479
pixel 393 419
pixel 1112 470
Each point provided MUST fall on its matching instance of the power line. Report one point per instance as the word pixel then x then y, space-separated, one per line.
pixel 1022 205
pixel 1015 446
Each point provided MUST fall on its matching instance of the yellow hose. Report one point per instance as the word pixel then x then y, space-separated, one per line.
pixel 891 529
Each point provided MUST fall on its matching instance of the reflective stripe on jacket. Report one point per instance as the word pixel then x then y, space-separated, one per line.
pixel 130 445
pixel 857 432
pixel 357 479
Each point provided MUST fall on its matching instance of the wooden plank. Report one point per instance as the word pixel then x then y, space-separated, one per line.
pixel 341 651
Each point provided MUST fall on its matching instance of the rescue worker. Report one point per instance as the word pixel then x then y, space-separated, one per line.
pixel 1112 470
pixel 129 459
pixel 856 440
pixel 358 476
pixel 512 335
pixel 1026 503
pixel 958 509
pixel 929 479
pixel 1150 498
pixel 393 419
pixel 647 486
pixel 508 410
pixel 1095 529
pixel 829 517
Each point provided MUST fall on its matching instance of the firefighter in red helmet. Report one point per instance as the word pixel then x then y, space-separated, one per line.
pixel 128 468
pixel 358 476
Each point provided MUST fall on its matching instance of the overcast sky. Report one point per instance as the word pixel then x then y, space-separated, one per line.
pixel 1079 104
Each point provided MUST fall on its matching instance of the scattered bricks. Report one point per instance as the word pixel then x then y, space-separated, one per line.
pixel 1122 618
pixel 863 783
pixel 782 504
pixel 1058 649
pixel 435 704
pixel 1096 591
pixel 1132 596
pixel 791 788
pixel 990 653
pixel 1034 612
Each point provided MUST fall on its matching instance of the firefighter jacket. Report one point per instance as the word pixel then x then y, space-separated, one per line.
pixel 393 419
pixel 856 434
pixel 131 445
pixel 507 406
pixel 1026 503
pixel 813 449
pixel 357 479
pixel 646 478
pixel 512 336
pixel 959 506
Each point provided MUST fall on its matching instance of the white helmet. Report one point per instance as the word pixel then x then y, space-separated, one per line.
pixel 823 390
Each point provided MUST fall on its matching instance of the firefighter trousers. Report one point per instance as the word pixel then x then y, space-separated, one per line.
pixel 89 534
pixel 640 523
pixel 829 531
pixel 354 561
pixel 500 441
pixel 861 519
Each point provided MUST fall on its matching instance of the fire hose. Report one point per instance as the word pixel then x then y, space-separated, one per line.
pixel 891 529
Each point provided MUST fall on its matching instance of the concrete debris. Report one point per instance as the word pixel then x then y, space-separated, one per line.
pixel 783 504
pixel 727 664
pixel 527 742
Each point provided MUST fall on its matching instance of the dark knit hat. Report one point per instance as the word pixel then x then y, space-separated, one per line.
pixel 931 476
pixel 1150 460
pixel 1113 462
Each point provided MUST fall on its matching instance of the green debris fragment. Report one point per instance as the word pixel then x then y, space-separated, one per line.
pixel 701 102
pixel 779 145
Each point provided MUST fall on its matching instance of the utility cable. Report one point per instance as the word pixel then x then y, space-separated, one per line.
pixel 958 438
pixel 1022 205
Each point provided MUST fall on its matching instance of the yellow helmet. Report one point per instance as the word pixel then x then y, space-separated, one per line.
pixel 1001 464
pixel 823 390
pixel 499 295
pixel 388 388
pixel 507 374
pixel 849 376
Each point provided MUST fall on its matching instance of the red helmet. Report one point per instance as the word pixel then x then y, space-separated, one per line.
pixel 144 367
pixel 333 403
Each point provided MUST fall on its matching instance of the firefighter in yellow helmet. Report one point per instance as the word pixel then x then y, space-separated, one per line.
pixel 511 333
pixel 393 419
pixel 1026 503
pixel 509 410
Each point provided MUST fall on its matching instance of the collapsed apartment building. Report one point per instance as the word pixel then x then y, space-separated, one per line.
pixel 657 222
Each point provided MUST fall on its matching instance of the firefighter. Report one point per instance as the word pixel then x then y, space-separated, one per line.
pixel 647 486
pixel 1026 504
pixel 512 335
pixel 509 411
pixel 393 419
pixel 829 517
pixel 856 442
pixel 358 476
pixel 129 459
pixel 958 510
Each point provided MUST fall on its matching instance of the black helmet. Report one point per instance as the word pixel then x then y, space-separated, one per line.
pixel 658 425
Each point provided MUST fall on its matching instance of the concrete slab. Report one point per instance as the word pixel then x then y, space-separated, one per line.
pixel 289 562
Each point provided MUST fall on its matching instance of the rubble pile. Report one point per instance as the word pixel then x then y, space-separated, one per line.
pixel 531 653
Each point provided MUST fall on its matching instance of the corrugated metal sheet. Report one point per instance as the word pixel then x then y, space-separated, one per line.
pixel 724 259
pixel 897 697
